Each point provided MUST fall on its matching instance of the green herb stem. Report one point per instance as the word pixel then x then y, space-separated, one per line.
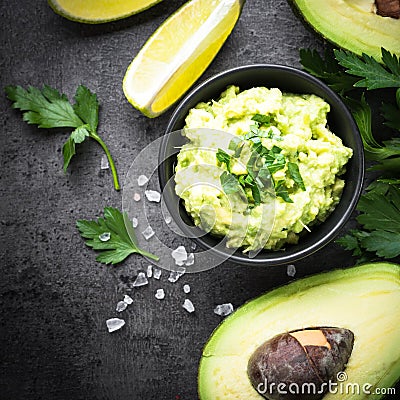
pixel 98 139
pixel 149 255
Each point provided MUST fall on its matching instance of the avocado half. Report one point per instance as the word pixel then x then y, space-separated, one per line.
pixel 351 24
pixel 364 299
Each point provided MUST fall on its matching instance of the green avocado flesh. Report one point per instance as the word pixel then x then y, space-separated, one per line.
pixel 352 25
pixel 364 299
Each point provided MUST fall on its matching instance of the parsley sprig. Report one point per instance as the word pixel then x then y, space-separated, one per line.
pixel 47 108
pixel 379 207
pixel 120 239
pixel 262 163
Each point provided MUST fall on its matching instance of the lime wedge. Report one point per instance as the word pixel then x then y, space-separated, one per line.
pixel 99 11
pixel 178 52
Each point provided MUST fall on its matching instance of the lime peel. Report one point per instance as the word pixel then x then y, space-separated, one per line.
pixel 99 11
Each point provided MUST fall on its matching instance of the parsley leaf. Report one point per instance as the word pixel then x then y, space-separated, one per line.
pixel 281 191
pixel 374 74
pixel 380 211
pixel 77 136
pixel 374 151
pixel 87 106
pixel 391 113
pixel 229 183
pixel 224 158
pixel 380 219
pixel 294 173
pixel 327 69
pixel 255 191
pixel 262 118
pixel 122 240
pixel 47 108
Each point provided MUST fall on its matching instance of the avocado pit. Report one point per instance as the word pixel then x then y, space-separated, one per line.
pixel 306 358
pixel 388 8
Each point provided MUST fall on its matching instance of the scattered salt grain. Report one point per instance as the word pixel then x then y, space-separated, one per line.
pixel 113 324
pixel 121 306
pixel 156 273
pixel 188 306
pixel 142 180
pixel 105 236
pixel 193 246
pixel 179 255
pixel 291 270
pixel 160 294
pixel 190 259
pixel 104 163
pixel 140 280
pixel 175 275
pixel 148 233
pixel 136 197
pixel 128 299
pixel 153 195
pixel 223 309
pixel 149 271
pixel 135 222
pixel 186 288
pixel 168 219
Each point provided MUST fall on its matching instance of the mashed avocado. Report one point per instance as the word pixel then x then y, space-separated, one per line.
pixel 260 166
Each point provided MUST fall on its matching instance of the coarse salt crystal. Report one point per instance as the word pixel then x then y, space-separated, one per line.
pixel 135 222
pixel 148 233
pixel 223 309
pixel 128 299
pixel 149 271
pixel 179 255
pixel 175 275
pixel 153 195
pixel 121 306
pixel 188 306
pixel 142 180
pixel 113 324
pixel 156 273
pixel 291 270
pixel 136 197
pixel 104 162
pixel 140 280
pixel 160 294
pixel 186 288
pixel 105 236
pixel 190 259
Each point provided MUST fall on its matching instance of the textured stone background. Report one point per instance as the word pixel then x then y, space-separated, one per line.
pixel 54 297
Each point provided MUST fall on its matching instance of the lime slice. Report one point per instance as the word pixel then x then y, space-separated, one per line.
pixel 99 11
pixel 178 52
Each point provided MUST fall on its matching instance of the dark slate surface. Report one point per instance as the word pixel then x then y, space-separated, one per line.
pixel 54 297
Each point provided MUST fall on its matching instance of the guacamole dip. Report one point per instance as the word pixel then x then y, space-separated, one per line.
pixel 260 166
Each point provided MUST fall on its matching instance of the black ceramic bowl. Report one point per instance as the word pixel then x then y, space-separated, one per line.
pixel 287 79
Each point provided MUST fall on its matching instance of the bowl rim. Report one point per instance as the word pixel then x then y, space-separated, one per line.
pixel 284 258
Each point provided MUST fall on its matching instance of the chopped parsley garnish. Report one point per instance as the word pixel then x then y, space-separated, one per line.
pixel 263 119
pixel 229 183
pixel 224 158
pixel 261 166
pixel 294 173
